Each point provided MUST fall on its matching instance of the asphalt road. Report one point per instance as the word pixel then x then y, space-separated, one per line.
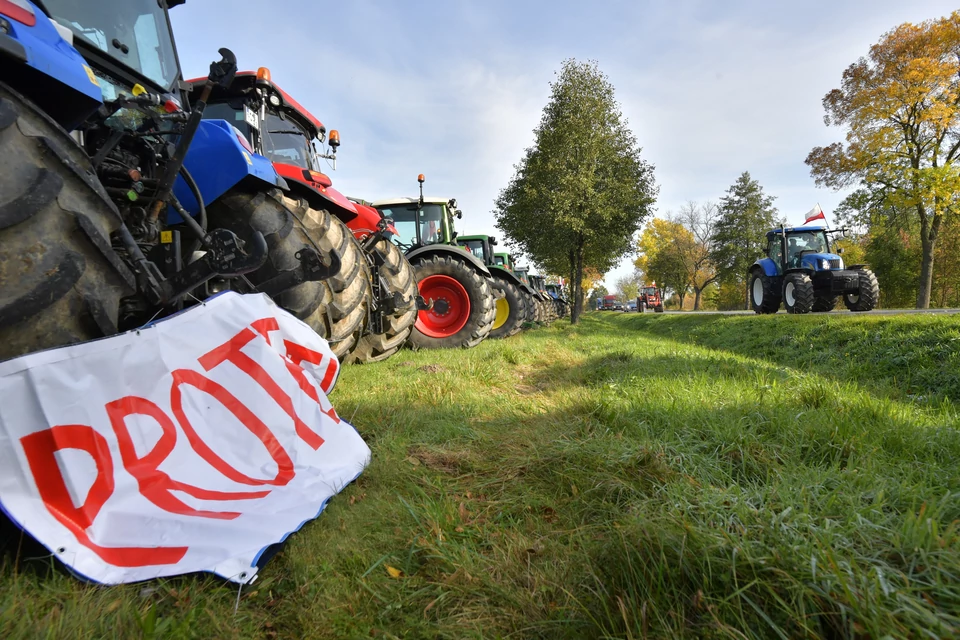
pixel 875 312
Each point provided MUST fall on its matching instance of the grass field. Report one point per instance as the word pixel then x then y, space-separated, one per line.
pixel 632 477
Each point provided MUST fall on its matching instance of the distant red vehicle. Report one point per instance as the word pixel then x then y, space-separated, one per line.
pixel 610 303
pixel 650 298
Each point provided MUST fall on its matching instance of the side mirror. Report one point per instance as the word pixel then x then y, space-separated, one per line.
pixel 459 214
pixel 840 251
pixel 493 240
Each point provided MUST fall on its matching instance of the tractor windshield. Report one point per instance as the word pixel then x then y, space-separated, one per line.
pixel 650 291
pixel 133 32
pixel 804 241
pixel 286 142
pixel 405 219
pixel 475 247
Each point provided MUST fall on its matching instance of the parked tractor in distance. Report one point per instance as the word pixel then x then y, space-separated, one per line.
pixel 549 310
pixel 455 283
pixel 555 291
pixel 802 272
pixel 119 205
pixel 650 298
pixel 511 309
pixel 372 305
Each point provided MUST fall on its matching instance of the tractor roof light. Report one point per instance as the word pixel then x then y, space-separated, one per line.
pixel 420 178
pixel 263 75
pixel 19 10
pixel 333 139
pixel 274 99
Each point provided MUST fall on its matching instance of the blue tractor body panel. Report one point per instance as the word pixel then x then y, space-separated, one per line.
pixel 218 162
pixel 768 266
pixel 41 48
pixel 814 261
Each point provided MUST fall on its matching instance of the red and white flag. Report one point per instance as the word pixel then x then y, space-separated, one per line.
pixel 815 214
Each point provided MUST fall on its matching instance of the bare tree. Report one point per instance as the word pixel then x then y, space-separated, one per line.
pixel 699 219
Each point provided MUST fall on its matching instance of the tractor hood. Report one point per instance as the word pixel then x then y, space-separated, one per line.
pixel 821 261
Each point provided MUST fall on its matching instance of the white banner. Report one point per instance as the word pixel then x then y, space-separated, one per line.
pixel 190 445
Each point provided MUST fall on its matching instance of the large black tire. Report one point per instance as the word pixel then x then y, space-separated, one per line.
pixel 61 281
pixel 798 292
pixel 480 314
pixel 765 292
pixel 530 306
pixel 824 302
pixel 335 308
pixel 396 276
pixel 551 309
pixel 869 294
pixel 510 310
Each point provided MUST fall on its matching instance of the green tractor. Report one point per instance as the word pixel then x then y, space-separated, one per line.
pixel 517 301
pixel 455 283
pixel 801 271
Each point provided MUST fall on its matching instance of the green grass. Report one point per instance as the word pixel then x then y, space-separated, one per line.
pixel 630 477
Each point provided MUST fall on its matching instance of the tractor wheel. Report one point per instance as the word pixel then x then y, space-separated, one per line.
pixel 510 310
pixel 868 295
pixel 823 303
pixel 765 294
pixel 530 304
pixel 658 308
pixel 551 310
pixel 335 308
pixel 797 293
pixel 464 309
pixel 61 281
pixel 397 277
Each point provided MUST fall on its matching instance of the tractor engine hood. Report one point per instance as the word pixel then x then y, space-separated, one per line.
pixel 821 261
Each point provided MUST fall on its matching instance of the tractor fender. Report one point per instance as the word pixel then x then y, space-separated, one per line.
pixel 767 266
pixel 320 195
pixel 34 55
pixel 218 162
pixel 510 277
pixel 450 250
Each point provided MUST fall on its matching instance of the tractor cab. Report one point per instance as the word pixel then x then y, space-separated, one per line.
pixel 802 248
pixel 504 260
pixel 480 246
pixel 421 222
pixel 272 123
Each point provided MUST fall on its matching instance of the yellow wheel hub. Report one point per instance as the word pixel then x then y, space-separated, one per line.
pixel 503 312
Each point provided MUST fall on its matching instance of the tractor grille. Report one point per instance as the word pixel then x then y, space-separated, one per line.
pixel 835 263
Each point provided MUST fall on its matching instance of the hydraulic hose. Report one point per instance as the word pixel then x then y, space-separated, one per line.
pixel 192 185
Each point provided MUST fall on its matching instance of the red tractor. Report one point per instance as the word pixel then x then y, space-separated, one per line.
pixel 374 301
pixel 650 298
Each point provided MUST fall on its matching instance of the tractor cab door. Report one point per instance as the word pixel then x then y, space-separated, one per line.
pixel 775 251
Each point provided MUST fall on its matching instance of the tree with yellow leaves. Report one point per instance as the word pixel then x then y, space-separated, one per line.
pixel 901 109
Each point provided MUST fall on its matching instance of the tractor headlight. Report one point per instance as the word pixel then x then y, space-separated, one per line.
pixel 825 265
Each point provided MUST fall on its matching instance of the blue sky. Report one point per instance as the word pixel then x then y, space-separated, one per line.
pixel 454 89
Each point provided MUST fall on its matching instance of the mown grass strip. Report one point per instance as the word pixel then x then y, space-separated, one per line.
pixel 602 480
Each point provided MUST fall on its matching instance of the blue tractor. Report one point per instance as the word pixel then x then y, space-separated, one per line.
pixel 118 203
pixel 801 271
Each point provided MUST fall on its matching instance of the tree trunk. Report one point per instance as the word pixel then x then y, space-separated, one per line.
pixel 696 298
pixel 929 230
pixel 682 296
pixel 746 300
pixel 577 284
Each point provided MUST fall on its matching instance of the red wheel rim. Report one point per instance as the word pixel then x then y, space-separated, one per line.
pixel 446 290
